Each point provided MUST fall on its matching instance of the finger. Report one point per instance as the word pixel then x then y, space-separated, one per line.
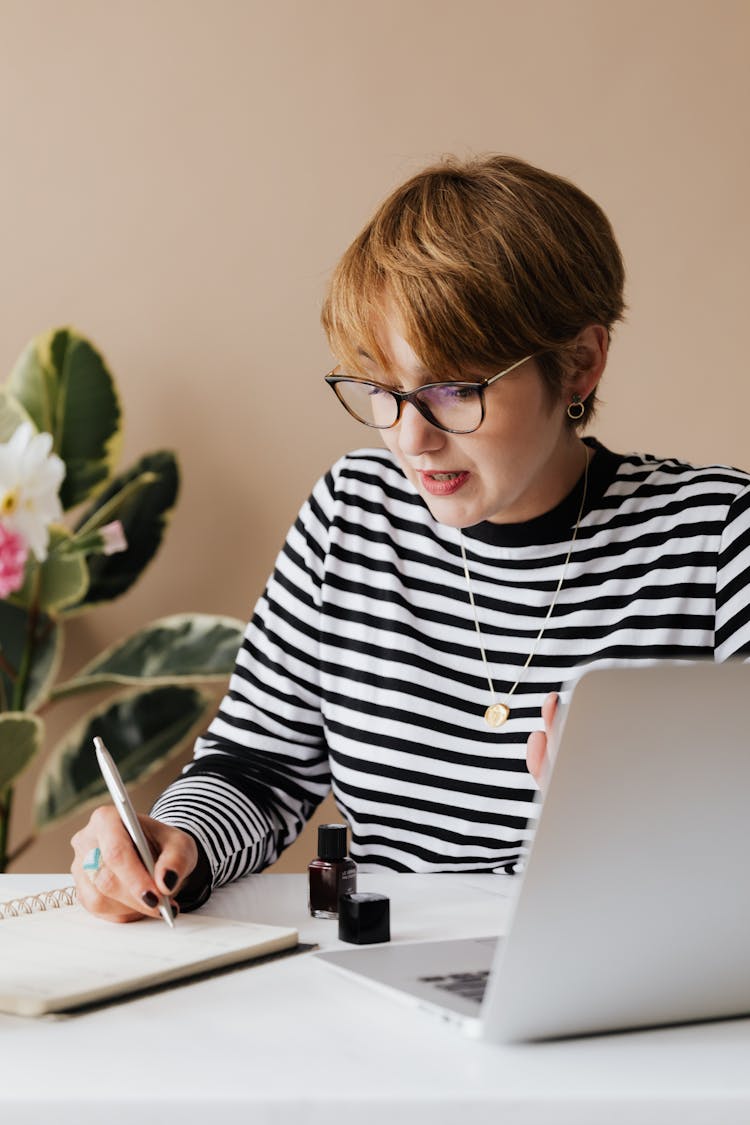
pixel 101 896
pixel 536 753
pixel 113 910
pixel 84 848
pixel 549 708
pixel 121 882
pixel 96 903
pixel 177 855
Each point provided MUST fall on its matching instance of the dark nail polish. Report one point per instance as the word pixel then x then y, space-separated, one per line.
pixel 175 909
pixel 170 880
pixel 332 873
pixel 150 899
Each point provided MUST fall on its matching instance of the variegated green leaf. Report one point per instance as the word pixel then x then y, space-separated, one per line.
pixel 63 577
pixel 187 647
pixel 47 652
pixel 20 738
pixel 141 731
pixel 61 380
pixel 12 414
pixel 143 513
pixel 104 512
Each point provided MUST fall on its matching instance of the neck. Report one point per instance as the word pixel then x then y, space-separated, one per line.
pixel 556 480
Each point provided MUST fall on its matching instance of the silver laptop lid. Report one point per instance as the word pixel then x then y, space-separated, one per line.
pixel 635 903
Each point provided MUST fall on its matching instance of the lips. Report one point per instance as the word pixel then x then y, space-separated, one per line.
pixel 443 483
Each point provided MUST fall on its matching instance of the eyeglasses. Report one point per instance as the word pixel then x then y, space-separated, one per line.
pixel 457 408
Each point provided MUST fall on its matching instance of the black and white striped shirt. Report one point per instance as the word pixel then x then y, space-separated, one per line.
pixel 361 669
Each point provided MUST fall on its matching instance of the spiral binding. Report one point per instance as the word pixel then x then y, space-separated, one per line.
pixel 33 904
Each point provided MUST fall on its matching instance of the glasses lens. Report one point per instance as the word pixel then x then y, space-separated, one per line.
pixel 454 406
pixel 368 403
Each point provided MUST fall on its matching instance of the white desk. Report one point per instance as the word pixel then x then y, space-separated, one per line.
pixel 293 1041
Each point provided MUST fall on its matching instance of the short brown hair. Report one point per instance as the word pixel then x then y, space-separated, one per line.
pixel 486 260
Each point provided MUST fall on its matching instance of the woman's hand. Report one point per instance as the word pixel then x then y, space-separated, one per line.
pixel 536 746
pixel 121 889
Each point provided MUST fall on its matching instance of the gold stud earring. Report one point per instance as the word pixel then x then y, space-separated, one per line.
pixel 576 408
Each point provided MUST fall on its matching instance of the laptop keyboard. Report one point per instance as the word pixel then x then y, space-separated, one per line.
pixel 469 985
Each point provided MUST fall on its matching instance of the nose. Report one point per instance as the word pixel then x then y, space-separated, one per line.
pixel 416 435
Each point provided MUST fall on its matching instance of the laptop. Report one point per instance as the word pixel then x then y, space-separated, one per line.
pixel 634 907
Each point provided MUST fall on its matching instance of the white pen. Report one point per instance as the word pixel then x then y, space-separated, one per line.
pixel 129 818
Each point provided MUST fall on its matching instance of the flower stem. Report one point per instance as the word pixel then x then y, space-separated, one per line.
pixel 6 800
pixel 7 670
pixel 19 688
pixel 7 667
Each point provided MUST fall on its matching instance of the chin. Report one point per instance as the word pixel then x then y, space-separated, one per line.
pixel 450 516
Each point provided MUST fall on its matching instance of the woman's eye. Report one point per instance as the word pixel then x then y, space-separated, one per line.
pixel 457 392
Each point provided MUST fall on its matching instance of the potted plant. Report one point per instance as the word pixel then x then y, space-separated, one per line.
pixel 74 534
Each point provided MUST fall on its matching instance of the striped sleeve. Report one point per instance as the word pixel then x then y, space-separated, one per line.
pixel 733 583
pixel 262 767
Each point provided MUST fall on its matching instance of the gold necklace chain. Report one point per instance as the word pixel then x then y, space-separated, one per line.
pixel 498 713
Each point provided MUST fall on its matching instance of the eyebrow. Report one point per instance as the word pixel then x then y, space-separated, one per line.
pixel 419 371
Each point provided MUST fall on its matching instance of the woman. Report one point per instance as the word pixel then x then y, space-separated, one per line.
pixel 433 597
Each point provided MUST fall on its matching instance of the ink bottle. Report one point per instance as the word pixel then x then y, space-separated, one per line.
pixel 332 873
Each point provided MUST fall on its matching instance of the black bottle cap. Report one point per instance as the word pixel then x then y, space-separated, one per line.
pixel 332 841
pixel 364 918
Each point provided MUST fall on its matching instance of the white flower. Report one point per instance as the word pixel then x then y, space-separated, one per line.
pixel 30 479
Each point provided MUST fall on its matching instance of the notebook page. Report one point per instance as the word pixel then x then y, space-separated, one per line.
pixel 62 958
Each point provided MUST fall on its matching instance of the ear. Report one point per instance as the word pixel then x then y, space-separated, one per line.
pixel 590 358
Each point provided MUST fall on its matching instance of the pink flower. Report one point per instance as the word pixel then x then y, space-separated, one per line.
pixel 13 554
pixel 113 538
pixel 107 540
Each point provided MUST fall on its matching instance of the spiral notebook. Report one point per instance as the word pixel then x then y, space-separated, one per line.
pixel 55 956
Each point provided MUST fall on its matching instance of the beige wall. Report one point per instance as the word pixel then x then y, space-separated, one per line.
pixel 178 178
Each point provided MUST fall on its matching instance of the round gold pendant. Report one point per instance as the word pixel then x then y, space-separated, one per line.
pixel 496 714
